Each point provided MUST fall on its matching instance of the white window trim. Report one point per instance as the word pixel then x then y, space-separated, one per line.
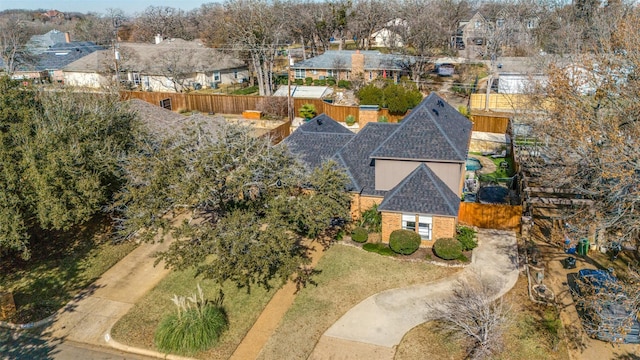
pixel 425 227
pixel 408 219
pixel 300 73
pixel 216 76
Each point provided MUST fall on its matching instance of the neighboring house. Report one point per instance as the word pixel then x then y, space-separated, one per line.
pixel 170 65
pixel 472 35
pixel 49 53
pixel 389 35
pixel 305 92
pixel 519 75
pixel 351 64
pixel 414 170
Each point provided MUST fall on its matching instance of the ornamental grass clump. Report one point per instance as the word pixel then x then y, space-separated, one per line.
pixel 196 326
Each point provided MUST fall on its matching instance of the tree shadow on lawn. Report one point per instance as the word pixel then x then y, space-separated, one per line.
pixel 28 344
pixel 56 270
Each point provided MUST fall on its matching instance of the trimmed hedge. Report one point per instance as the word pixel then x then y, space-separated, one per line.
pixel 447 248
pixel 378 248
pixel 404 242
pixel 467 237
pixel 359 234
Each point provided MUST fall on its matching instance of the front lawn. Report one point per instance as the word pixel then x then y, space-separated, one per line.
pixel 348 276
pixel 138 326
pixel 62 264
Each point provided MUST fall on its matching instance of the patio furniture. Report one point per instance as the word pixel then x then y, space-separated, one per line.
pixel 569 262
pixel 501 155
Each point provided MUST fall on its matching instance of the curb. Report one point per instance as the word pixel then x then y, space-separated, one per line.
pixel 145 352
pixel 31 325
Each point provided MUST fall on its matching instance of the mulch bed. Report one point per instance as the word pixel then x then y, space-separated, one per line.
pixel 422 254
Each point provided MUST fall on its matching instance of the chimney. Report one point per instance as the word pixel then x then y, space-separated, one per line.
pixel 67 37
pixel 357 63
pixel 158 39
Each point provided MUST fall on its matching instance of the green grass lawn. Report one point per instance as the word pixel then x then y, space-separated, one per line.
pixel 500 173
pixel 62 264
pixel 137 328
pixel 348 276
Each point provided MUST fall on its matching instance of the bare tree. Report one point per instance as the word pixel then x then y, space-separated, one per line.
pixel 257 27
pixel 14 34
pixel 472 314
pixel 367 17
pixel 163 20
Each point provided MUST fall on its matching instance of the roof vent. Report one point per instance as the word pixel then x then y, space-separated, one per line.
pixel 319 121
pixel 440 103
pixel 435 112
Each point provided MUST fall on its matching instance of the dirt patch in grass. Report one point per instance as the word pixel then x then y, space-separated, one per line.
pixel 138 327
pixel 530 335
pixel 348 275
pixel 62 264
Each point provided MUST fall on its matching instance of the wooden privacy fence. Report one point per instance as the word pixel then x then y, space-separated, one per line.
pixel 492 124
pixel 500 102
pixel 490 216
pixel 236 104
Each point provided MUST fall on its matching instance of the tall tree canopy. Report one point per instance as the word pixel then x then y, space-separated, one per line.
pixel 249 203
pixel 591 132
pixel 59 159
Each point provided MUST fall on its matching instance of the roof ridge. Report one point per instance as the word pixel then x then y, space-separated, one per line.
pixel 444 133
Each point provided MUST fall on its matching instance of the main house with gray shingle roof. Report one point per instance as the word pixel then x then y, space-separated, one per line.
pixel 413 170
pixel 349 64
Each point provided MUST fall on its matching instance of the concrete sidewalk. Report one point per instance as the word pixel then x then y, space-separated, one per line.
pixel 375 326
pixel 92 313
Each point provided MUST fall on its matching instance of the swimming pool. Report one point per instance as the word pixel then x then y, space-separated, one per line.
pixel 473 164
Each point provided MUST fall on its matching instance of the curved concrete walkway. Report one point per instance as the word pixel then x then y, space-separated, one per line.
pixel 375 326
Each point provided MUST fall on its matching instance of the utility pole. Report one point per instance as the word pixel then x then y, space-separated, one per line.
pixel 116 54
pixel 289 97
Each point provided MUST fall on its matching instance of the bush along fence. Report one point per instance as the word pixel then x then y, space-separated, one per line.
pixel 236 104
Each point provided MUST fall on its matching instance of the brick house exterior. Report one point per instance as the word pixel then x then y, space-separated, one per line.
pixel 413 170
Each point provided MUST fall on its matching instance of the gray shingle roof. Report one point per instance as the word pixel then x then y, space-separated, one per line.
pixel 341 59
pixel 313 148
pixel 40 43
pixel 323 124
pixel 355 156
pixel 433 130
pixel 61 55
pixel 145 58
pixel 421 192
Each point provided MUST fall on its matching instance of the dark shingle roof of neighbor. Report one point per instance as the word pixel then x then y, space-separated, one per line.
pixel 355 156
pixel 373 60
pixel 433 130
pixel 61 55
pixel 421 192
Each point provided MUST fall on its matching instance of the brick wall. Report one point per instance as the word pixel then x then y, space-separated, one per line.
pixel 357 63
pixel 443 227
pixel 366 116
pixel 390 222
pixel 360 204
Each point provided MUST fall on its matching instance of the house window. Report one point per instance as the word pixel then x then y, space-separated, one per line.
pixel 216 76
pixel 235 74
pixel 314 72
pixel 531 24
pixel 425 224
pixel 146 82
pixel 409 222
pixel 300 74
pixel 500 23
pixel 478 24
pixel 370 75
pixel 332 73
pixel 135 78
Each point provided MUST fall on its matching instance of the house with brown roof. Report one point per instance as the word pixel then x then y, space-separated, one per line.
pixel 172 65
pixel 413 170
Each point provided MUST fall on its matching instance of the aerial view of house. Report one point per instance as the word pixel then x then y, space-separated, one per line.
pixel 414 170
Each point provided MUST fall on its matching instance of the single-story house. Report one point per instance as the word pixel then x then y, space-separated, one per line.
pixel 48 54
pixel 413 170
pixel 349 64
pixel 170 65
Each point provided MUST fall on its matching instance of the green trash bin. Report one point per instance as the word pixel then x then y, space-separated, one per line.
pixel 583 247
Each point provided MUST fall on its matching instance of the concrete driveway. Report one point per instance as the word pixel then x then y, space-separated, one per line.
pixel 375 326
